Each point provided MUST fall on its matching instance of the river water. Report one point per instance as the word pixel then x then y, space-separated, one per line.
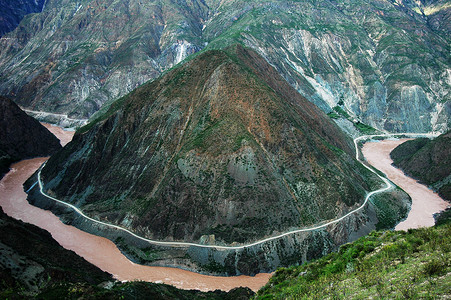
pixel 425 202
pixel 104 254
pixel 98 250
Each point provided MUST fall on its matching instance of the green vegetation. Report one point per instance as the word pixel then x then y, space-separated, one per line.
pixel 365 129
pixel 342 112
pixel 334 115
pixel 383 265
pixel 339 112
pixel 389 210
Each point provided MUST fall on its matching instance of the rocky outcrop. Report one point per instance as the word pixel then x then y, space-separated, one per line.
pixel 427 160
pixel 386 61
pixel 21 136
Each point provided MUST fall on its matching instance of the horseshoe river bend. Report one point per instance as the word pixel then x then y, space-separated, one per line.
pixel 104 253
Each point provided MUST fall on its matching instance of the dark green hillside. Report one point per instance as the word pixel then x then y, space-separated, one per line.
pixel 428 161
pixel 383 265
pixel 21 136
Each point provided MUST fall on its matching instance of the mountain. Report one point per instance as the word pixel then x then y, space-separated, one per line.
pixel 221 145
pixel 51 272
pixel 385 62
pixel 32 261
pixel 428 161
pixel 21 136
pixel 219 150
pixel 13 11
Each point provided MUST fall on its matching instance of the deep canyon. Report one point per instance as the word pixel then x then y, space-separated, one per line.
pixel 104 253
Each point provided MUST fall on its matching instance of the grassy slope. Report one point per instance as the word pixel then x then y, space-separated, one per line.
pixel 389 264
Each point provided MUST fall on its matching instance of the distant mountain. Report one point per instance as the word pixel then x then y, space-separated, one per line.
pixel 21 136
pixel 427 160
pixel 384 62
pixel 220 146
pixel 13 11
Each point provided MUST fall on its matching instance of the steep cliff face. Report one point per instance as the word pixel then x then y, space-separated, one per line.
pixel 428 161
pixel 13 11
pixel 21 136
pixel 381 60
pixel 386 62
pixel 76 55
pixel 221 145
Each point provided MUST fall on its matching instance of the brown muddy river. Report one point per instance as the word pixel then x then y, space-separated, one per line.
pixel 425 202
pixel 98 250
pixel 104 254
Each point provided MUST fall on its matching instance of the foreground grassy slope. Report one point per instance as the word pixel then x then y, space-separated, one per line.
pixel 383 265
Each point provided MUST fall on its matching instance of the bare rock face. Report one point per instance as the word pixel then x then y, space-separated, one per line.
pixel 21 136
pixel 221 146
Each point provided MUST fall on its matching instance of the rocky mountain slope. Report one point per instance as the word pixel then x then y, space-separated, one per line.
pixel 21 136
pixel 385 62
pixel 13 11
pixel 34 265
pixel 221 145
pixel 427 160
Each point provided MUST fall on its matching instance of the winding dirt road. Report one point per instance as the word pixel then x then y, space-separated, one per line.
pixel 98 250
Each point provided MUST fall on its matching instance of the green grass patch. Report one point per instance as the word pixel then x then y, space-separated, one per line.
pixel 382 265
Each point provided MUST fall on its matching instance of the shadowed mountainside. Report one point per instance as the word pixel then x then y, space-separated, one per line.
pixel 34 265
pixel 13 11
pixel 21 136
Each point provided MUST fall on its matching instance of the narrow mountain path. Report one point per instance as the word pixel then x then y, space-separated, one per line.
pixel 388 186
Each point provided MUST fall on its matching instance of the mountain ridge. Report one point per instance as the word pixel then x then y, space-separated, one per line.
pixel 378 62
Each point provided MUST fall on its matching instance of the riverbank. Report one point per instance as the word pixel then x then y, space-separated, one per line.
pixel 425 202
pixel 109 259
pixel 98 250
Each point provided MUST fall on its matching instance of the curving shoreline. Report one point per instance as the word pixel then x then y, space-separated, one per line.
pixel 87 245
pixel 387 187
pixel 425 202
